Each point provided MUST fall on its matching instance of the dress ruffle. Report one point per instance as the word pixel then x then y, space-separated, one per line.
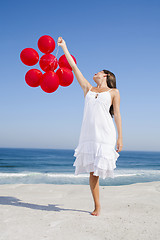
pixel 95 157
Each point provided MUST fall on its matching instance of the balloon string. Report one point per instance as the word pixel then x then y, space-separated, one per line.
pixel 57 50
pixel 56 56
pixel 54 60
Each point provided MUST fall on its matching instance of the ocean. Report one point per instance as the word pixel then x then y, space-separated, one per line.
pixel 55 166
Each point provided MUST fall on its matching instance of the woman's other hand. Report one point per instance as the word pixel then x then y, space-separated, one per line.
pixel 119 145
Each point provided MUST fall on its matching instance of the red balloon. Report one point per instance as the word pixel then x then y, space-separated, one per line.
pixel 48 62
pixel 33 77
pixel 29 56
pixel 63 62
pixel 49 82
pixel 65 76
pixel 46 44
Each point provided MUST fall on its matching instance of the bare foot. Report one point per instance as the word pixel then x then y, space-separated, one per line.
pixel 96 211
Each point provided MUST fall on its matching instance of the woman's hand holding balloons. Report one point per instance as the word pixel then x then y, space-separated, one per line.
pixel 61 42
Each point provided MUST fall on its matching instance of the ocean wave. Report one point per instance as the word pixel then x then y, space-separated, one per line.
pixel 122 177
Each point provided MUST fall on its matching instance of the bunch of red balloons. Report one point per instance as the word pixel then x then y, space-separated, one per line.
pixel 50 80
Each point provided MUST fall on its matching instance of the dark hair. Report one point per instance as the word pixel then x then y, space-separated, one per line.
pixel 111 83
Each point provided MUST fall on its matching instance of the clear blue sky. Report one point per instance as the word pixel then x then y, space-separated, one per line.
pixel 121 36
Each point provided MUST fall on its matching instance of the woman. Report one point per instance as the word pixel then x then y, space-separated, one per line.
pixel 95 152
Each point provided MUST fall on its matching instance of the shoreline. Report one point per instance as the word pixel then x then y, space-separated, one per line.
pixel 52 211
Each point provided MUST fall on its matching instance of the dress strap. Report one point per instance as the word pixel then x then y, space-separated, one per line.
pixel 109 90
pixel 90 88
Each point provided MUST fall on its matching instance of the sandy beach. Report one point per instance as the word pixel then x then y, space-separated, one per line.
pixel 47 211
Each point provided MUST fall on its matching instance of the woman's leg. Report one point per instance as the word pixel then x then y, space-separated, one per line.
pixel 94 185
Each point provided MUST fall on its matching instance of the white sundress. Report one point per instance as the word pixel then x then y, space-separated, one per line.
pixel 96 148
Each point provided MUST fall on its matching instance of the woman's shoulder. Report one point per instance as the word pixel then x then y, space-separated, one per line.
pixel 115 89
pixel 115 92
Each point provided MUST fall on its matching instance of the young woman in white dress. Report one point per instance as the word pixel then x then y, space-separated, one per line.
pixel 102 86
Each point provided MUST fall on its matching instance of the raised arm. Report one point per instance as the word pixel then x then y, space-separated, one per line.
pixel 85 85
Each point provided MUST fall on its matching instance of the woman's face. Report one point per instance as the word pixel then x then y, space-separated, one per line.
pixel 99 77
